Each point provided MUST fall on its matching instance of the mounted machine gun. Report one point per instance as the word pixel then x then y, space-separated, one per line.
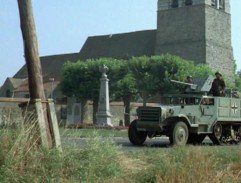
pixel 192 86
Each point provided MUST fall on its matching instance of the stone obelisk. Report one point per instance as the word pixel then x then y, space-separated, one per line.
pixel 103 115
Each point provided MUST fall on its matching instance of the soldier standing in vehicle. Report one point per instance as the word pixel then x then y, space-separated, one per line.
pixel 188 90
pixel 218 85
pixel 190 81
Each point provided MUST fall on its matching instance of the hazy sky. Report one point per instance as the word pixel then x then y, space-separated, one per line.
pixel 64 25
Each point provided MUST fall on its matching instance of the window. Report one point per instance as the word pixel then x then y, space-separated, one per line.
pixel 174 4
pixel 8 93
pixel 221 4
pixel 218 3
pixel 213 2
pixel 188 2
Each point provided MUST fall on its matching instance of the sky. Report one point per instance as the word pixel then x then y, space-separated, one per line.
pixel 63 26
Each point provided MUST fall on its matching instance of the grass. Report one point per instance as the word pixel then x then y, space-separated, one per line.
pixel 85 132
pixel 23 160
pixel 189 164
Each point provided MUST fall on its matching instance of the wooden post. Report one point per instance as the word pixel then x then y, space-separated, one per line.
pixel 35 79
pixel 54 124
pixel 41 123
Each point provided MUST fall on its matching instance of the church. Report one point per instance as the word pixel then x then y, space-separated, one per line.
pixel 197 30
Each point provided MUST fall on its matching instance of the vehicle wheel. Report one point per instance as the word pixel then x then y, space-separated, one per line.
pixel 178 134
pixel 194 138
pixel 136 137
pixel 217 134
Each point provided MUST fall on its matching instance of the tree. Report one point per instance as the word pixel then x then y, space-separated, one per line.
pixel 140 68
pixel 239 74
pixel 238 80
pixel 167 67
pixel 153 74
pixel 81 80
pixel 125 87
pixel 144 75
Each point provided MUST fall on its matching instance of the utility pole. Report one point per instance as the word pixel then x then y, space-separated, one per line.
pixel 35 78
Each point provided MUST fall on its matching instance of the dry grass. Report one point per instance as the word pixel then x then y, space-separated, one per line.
pixel 189 165
pixel 132 166
pixel 22 160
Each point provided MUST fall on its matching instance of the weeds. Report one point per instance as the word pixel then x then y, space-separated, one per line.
pixel 75 132
pixel 189 164
pixel 22 161
pixel 100 160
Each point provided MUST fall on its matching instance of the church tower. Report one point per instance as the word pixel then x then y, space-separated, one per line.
pixel 197 30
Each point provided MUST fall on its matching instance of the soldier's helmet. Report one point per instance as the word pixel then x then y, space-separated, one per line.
pixel 218 73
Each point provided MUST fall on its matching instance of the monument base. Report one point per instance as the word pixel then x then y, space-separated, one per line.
pixel 104 119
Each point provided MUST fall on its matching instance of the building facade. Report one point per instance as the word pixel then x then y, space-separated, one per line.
pixel 197 30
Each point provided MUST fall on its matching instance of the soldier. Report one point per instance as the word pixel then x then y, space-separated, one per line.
pixel 188 90
pixel 188 80
pixel 218 85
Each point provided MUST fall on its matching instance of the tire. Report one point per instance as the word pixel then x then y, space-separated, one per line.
pixel 136 137
pixel 178 134
pixel 194 138
pixel 217 134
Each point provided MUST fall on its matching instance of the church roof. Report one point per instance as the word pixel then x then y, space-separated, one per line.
pixel 51 65
pixel 120 46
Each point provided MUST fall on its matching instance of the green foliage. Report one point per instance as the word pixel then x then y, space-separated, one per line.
pixel 144 75
pixel 126 85
pixel 125 82
pixel 21 161
pixel 85 132
pixel 238 80
pixel 188 164
pixel 239 74
pixel 157 71
pixel 82 79
pixel 169 67
pixel 100 160
pixel 74 77
pixel 145 80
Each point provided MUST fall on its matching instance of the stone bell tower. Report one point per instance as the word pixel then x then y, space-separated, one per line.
pixel 198 30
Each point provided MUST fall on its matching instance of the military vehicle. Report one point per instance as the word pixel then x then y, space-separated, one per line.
pixel 189 118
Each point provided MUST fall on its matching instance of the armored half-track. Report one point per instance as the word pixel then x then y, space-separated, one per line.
pixel 189 118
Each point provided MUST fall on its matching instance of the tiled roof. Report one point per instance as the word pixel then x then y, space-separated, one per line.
pixel 120 46
pixel 51 65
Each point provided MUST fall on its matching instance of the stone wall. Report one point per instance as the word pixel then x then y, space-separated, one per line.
pixel 201 33
pixel 10 114
pixel 219 52
pixel 117 112
pixel 181 31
